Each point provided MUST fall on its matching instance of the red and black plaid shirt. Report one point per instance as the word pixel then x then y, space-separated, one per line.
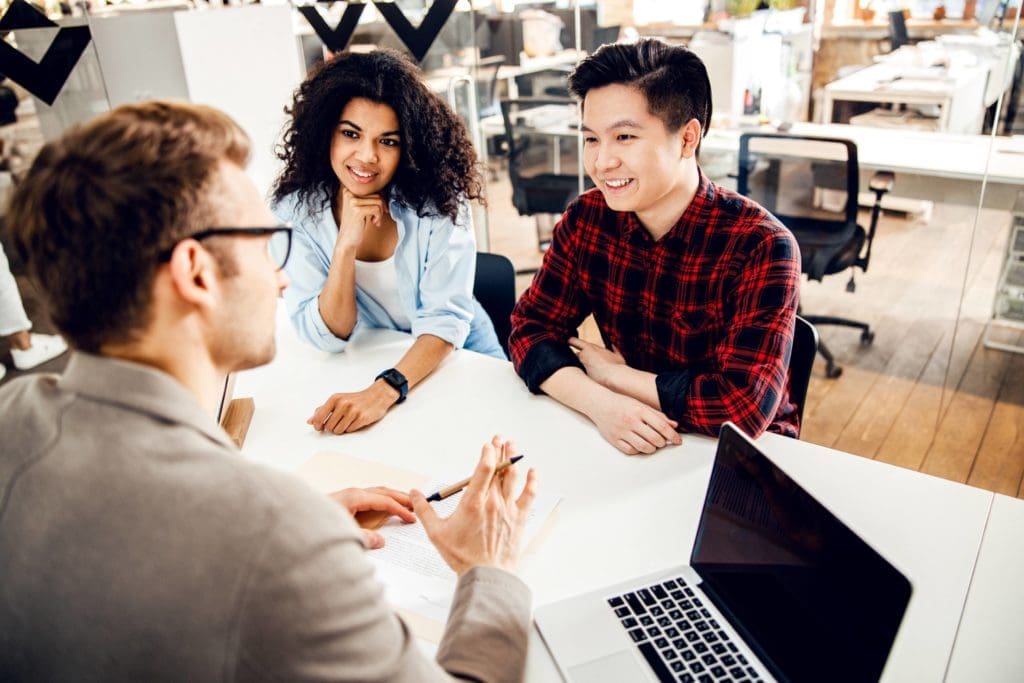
pixel 709 308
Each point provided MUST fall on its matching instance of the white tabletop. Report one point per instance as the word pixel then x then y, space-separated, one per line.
pixel 945 155
pixel 620 516
pixel 958 90
pixel 928 165
pixel 990 645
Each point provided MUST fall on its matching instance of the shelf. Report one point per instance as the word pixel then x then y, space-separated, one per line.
pixel 1008 306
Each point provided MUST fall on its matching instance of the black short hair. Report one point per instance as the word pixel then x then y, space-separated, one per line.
pixel 672 78
pixel 438 169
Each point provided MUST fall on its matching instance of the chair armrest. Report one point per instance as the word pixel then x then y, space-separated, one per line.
pixel 882 182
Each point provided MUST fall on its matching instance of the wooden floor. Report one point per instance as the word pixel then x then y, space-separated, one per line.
pixel 926 394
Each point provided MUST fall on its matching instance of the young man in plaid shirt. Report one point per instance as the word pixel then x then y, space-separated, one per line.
pixel 693 287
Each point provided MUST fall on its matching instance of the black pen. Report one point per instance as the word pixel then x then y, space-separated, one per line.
pixel 458 486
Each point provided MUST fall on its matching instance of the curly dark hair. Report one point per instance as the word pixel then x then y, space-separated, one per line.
pixel 438 167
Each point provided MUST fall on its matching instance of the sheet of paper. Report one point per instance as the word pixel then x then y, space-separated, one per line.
pixel 416 580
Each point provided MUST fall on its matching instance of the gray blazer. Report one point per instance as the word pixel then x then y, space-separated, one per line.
pixel 137 544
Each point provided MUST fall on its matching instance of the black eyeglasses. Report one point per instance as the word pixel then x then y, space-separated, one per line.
pixel 279 246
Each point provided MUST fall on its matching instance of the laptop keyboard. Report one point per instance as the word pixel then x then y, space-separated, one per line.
pixel 678 636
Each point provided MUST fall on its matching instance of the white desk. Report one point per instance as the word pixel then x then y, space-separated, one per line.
pixel 928 165
pixel 934 166
pixel 957 92
pixel 438 80
pixel 988 647
pixel 620 516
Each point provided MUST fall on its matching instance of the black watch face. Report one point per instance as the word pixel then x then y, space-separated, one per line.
pixel 397 380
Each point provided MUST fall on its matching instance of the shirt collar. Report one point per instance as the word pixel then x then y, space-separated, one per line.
pixel 139 388
pixel 689 225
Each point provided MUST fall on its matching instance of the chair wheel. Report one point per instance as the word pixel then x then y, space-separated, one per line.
pixel 833 371
pixel 866 337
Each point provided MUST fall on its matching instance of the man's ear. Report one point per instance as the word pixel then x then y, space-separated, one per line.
pixel 193 273
pixel 690 137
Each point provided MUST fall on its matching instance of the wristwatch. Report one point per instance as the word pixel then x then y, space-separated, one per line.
pixel 397 381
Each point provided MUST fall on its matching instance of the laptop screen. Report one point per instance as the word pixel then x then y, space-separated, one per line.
pixel 811 598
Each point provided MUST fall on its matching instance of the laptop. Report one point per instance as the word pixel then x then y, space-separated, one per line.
pixel 777 588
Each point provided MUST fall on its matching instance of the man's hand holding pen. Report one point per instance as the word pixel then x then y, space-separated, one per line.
pixel 487 527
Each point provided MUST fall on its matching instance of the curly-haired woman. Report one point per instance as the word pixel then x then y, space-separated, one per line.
pixel 378 175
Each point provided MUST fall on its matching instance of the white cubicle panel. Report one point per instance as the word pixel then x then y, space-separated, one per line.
pixel 620 516
pixel 242 60
pixel 740 66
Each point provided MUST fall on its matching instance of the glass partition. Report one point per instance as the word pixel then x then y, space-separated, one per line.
pixel 977 438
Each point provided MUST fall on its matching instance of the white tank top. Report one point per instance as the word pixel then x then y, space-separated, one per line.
pixel 379 281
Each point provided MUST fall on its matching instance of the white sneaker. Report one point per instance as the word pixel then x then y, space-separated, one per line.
pixel 3 372
pixel 44 347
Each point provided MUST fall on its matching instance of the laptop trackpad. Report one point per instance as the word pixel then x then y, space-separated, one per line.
pixel 615 668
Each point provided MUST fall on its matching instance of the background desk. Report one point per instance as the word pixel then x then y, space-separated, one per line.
pixel 620 516
pixel 933 166
pixel 438 80
pixel 957 93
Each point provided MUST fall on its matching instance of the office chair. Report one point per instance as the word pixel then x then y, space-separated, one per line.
pixel 495 288
pixel 487 86
pixel 801 360
pixel 898 36
pixel 604 35
pixel 811 185
pixel 534 128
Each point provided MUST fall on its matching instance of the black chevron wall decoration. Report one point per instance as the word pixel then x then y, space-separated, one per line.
pixel 418 39
pixel 45 78
pixel 335 39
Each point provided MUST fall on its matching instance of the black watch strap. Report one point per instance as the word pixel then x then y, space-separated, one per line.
pixel 397 381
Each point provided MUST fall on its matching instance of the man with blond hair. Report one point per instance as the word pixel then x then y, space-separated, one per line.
pixel 135 543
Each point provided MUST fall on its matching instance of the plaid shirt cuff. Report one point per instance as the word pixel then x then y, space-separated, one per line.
pixel 544 359
pixel 672 389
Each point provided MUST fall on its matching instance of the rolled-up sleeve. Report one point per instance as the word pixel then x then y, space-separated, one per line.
pixel 307 270
pixel 444 305
pixel 549 311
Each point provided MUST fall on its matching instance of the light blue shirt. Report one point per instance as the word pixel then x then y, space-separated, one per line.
pixel 435 263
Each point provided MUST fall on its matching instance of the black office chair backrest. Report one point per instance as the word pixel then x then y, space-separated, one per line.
pixel 898 36
pixel 495 289
pixel 487 86
pixel 786 173
pixel 811 185
pixel 603 35
pixel 801 360
pixel 534 127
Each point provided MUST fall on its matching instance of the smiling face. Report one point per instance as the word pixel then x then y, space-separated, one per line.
pixel 632 157
pixel 366 147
